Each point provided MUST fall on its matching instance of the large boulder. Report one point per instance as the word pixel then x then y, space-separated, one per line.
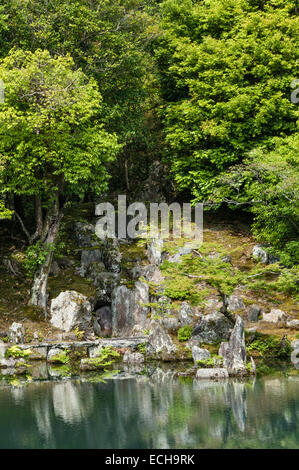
pixel 234 352
pixel 200 354
pixel 102 324
pixel 161 342
pixel 293 324
pixel 16 333
pixel 212 328
pixel 184 250
pixel 274 316
pixel 128 308
pixel 70 310
pixel 105 283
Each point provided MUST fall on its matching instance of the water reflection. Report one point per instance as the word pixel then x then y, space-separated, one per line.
pixel 157 410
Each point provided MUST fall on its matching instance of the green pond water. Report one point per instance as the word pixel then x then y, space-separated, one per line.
pixel 152 411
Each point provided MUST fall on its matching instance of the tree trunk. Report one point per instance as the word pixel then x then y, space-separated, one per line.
pixel 49 237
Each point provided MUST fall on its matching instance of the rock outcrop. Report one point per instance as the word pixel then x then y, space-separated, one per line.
pixel 217 373
pixel 200 354
pixel 102 324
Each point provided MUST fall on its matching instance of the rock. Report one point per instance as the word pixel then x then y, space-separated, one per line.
pixel 105 283
pixel 170 323
pixel 133 357
pixel 253 366
pixel 186 314
pixel 70 310
pixel 274 316
pixel 112 255
pixel 295 344
pixel 3 348
pixel 216 373
pixel 102 325
pixel 254 313
pixel 294 324
pixel 227 259
pixel 122 343
pixel 89 257
pixel 53 355
pixel 7 363
pixel 84 234
pixel 212 328
pixel 161 342
pixel 235 303
pixel 155 252
pixel 234 352
pixel 16 333
pixel 128 308
pixel 200 354
pixel 259 253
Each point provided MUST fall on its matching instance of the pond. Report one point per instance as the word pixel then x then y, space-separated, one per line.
pixel 156 410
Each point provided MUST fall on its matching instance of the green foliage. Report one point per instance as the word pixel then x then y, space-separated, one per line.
pixel 16 352
pixel 185 333
pixel 226 69
pixel 270 346
pixel 142 348
pixel 211 361
pixel 62 358
pixel 36 256
pixel 106 358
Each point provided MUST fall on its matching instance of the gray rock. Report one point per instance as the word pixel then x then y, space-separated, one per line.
pixel 253 366
pixel 89 257
pixel 227 259
pixel 254 313
pixel 155 252
pixel 133 357
pixel 235 303
pixel 70 310
pixel 161 342
pixel 3 348
pixel 105 283
pixel 7 363
pixel 186 314
pixel 128 308
pixel 112 255
pixel 259 253
pixel 123 343
pixel 184 250
pixel 200 354
pixel 295 344
pixel 212 328
pixel 216 373
pixel 103 321
pixel 16 333
pixel 275 316
pixel 294 324
pixel 234 352
pixel 84 234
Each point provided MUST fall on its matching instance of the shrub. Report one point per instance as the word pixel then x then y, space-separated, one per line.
pixel 185 333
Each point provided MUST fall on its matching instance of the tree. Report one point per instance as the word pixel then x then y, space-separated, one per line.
pixel 226 68
pixel 53 144
pixel 109 40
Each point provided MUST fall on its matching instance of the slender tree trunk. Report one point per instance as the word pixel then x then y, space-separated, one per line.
pixel 38 219
pixel 48 238
pixel 127 174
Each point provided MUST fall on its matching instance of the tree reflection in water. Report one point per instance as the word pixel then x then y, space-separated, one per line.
pixel 157 410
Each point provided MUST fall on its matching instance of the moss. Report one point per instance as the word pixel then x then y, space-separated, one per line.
pixel 185 333
pixel 15 352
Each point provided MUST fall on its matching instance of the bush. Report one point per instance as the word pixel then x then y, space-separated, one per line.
pixel 185 333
